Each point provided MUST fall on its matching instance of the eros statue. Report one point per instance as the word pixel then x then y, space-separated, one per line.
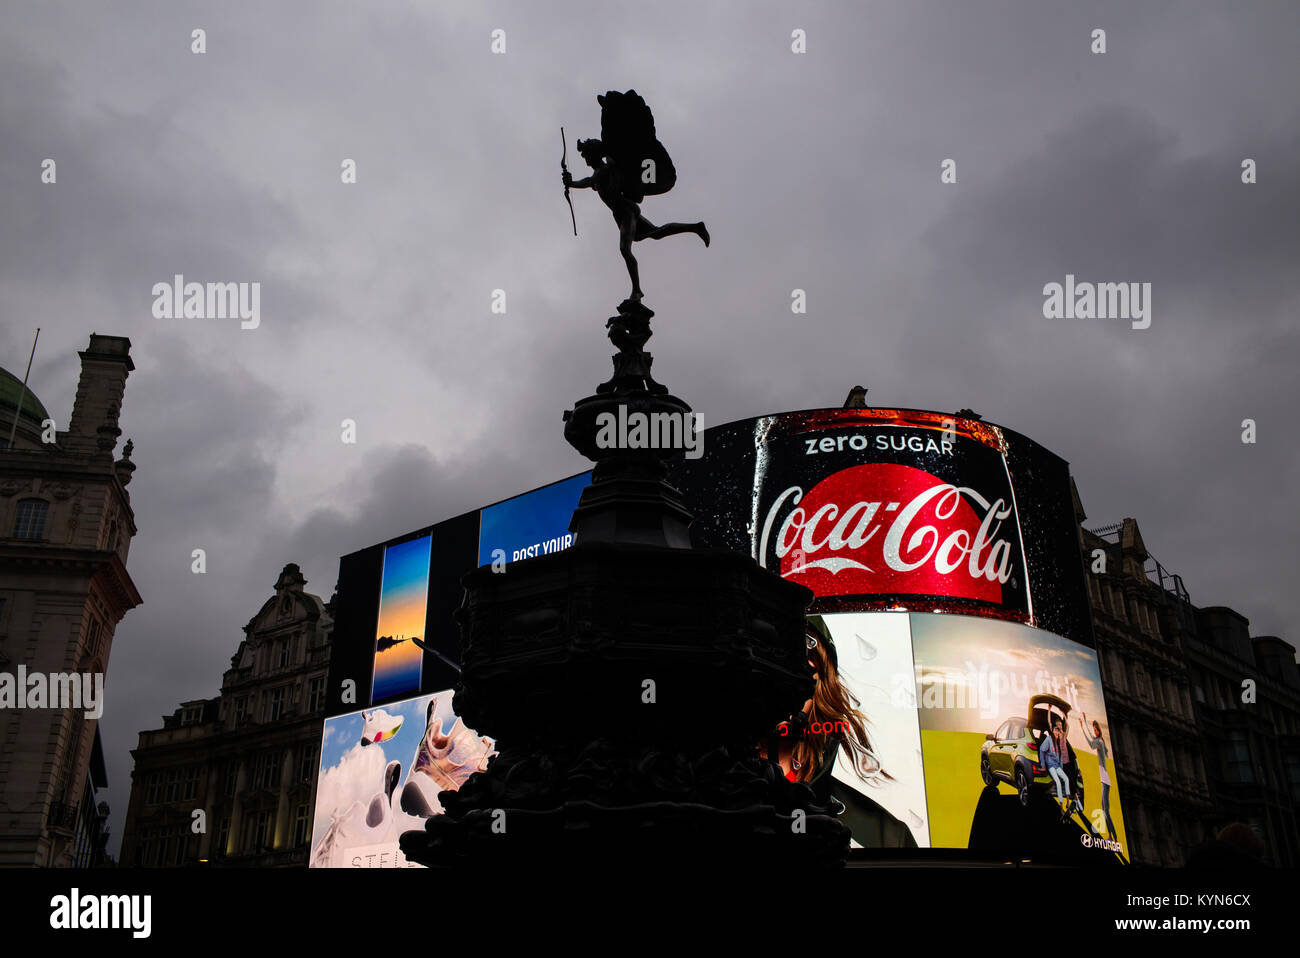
pixel 628 163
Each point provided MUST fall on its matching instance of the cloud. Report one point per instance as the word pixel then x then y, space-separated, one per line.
pixel 815 171
pixel 358 777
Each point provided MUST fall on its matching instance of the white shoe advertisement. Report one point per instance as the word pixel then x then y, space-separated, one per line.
pixel 382 770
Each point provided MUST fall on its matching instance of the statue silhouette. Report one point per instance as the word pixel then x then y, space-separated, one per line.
pixel 628 163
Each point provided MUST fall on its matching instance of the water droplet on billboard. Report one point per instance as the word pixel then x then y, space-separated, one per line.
pixel 866 650
pixel 867 764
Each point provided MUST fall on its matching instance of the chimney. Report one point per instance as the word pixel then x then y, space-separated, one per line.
pixel 105 365
pixel 1133 549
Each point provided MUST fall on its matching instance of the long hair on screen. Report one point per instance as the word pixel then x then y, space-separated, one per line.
pixel 833 703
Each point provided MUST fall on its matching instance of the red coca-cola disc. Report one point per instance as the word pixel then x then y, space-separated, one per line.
pixel 884 528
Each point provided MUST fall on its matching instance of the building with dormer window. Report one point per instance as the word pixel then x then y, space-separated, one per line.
pixel 246 759
pixel 1205 718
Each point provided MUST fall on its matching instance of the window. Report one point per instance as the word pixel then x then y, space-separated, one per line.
pixel 1293 774
pixel 172 785
pixel 1117 671
pixel 172 851
pixel 1140 681
pixel 316 694
pixel 192 715
pixel 223 838
pixel 1134 754
pixel 263 828
pixel 256 829
pixel 146 845
pixel 1212 687
pixel 31 519
pixel 307 763
pixel 1237 765
pixel 153 790
pixel 191 785
pixel 241 711
pixel 262 771
pixel 282 657
pixel 301 832
pixel 1156 754
pixel 268 771
pixel 93 636
pixel 231 778
pixel 277 704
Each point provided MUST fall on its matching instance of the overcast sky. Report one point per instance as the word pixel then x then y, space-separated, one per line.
pixel 818 171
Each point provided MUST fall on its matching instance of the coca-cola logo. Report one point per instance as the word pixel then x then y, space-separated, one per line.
pixel 888 528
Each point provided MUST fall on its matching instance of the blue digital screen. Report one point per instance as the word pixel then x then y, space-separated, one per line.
pixel 534 524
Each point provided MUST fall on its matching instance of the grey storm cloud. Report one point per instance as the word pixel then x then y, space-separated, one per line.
pixel 817 171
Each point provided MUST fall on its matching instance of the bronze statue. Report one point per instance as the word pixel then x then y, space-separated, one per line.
pixel 628 163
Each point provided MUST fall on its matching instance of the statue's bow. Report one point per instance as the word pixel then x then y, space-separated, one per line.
pixel 565 168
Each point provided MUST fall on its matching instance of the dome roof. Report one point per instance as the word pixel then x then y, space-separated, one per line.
pixel 11 387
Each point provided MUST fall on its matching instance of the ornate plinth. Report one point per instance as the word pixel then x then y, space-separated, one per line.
pixel 628 680
pixel 628 499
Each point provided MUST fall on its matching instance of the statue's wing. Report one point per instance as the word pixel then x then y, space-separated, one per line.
pixel 627 129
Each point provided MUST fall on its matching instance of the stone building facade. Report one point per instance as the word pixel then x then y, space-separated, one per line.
pixel 1246 693
pixel 66 526
pixel 1190 756
pixel 246 759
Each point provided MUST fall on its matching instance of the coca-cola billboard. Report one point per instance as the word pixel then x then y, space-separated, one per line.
pixel 941 539
pixel 876 509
